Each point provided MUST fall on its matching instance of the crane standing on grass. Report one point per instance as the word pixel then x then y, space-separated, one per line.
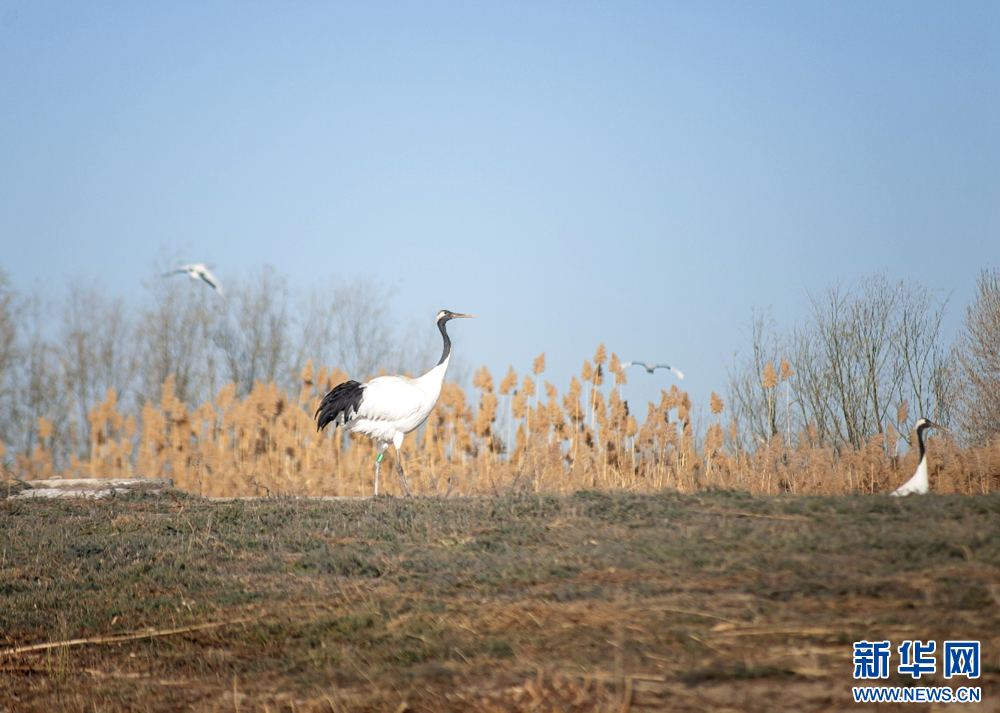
pixel 388 407
pixel 918 483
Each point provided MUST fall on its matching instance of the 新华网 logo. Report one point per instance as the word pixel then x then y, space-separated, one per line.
pixel 916 658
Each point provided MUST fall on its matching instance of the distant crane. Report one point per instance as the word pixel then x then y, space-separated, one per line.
pixel 388 407
pixel 652 368
pixel 918 483
pixel 197 272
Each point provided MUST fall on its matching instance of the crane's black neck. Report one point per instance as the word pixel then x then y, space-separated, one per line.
pixel 920 440
pixel 447 342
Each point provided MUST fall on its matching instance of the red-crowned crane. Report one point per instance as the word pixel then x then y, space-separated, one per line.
pixel 654 367
pixel 918 483
pixel 198 272
pixel 388 407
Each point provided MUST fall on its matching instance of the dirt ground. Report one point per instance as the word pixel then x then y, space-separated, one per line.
pixel 615 602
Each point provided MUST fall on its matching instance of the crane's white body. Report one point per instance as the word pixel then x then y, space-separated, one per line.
pixel 198 271
pixel 918 484
pixel 392 406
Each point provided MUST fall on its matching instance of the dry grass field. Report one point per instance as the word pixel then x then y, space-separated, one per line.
pixel 592 601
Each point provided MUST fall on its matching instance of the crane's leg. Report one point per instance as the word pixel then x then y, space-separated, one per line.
pixel 382 446
pixel 399 469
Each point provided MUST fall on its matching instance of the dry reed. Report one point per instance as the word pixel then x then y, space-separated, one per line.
pixel 509 439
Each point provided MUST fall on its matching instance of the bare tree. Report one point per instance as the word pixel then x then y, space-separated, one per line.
pixel 815 384
pixel 175 331
pixel 977 363
pixel 347 325
pixel 856 332
pixel 97 351
pixel 923 354
pixel 315 337
pixel 860 353
pixel 253 331
pixel 363 328
pixel 753 397
pixel 11 358
pixel 40 392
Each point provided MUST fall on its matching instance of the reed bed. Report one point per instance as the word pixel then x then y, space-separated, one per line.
pixel 522 434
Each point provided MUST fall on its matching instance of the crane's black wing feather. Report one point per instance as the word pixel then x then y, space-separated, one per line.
pixel 344 399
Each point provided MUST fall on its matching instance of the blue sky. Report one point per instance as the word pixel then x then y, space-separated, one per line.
pixel 639 174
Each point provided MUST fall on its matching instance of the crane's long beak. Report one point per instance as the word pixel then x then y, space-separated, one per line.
pixel 465 316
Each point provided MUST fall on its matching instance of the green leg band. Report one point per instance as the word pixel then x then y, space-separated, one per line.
pixel 380 457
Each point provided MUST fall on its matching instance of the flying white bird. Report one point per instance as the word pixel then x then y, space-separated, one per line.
pixel 198 272
pixel 918 483
pixel 650 369
pixel 388 407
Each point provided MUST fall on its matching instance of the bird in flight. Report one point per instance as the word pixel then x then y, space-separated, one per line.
pixel 388 407
pixel 198 272
pixel 652 368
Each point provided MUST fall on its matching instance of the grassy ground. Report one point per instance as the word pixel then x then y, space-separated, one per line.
pixel 718 601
